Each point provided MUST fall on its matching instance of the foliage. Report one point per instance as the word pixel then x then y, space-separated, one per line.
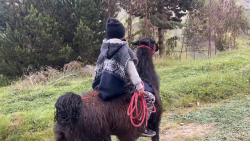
pixel 171 44
pixel 42 33
pixel 150 30
pixel 167 15
pixel 220 21
pixel 221 44
pixel 193 33
pixel 162 14
pixel 112 7
pixel 227 17
pixel 4 81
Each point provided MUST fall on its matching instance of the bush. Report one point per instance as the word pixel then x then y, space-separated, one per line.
pixel 221 44
pixel 49 33
pixel 4 81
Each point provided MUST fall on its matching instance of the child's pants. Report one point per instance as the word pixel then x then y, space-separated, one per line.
pixel 148 101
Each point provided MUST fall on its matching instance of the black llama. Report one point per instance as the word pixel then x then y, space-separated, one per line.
pixel 88 118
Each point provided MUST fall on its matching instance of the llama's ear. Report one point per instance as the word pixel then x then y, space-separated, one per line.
pixel 137 43
pixel 157 47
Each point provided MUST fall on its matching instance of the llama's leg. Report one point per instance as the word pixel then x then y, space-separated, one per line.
pixel 108 138
pixel 125 137
pixel 154 124
pixel 60 136
pixel 156 128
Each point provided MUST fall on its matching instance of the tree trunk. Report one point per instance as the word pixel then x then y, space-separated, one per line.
pixel 154 34
pixel 160 33
pixel 160 42
pixel 183 39
pixel 186 52
pixel 146 20
pixel 194 54
pixel 230 43
pixel 215 45
pixel 235 43
pixel 209 47
pixel 129 28
pixel 109 8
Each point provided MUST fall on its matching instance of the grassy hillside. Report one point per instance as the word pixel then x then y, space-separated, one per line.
pixel 208 81
pixel 244 3
pixel 26 112
pixel 227 120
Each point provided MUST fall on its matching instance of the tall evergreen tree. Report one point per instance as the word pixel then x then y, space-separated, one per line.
pixel 36 33
pixel 164 14
pixel 167 15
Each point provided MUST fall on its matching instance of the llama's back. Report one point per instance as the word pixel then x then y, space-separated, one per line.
pixel 76 122
pixel 109 116
pixel 89 118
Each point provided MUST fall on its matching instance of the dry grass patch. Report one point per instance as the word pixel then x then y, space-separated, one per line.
pixel 186 132
pixel 51 75
pixel 247 119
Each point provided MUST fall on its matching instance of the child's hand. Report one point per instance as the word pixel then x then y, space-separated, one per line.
pixel 141 92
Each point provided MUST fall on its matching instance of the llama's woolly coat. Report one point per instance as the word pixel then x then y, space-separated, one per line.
pixel 89 118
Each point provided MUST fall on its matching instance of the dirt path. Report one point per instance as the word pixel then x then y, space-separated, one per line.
pixel 186 132
pixel 172 131
pixel 227 120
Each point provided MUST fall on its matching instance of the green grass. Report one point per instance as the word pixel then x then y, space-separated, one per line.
pixel 224 76
pixel 26 113
pixel 231 121
pixel 243 43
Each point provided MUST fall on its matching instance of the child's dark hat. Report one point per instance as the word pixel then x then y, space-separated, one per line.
pixel 115 29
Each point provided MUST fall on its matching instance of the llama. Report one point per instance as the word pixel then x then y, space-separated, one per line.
pixel 88 118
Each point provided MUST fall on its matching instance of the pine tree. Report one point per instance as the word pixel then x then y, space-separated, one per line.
pixel 164 14
pixel 36 33
pixel 167 15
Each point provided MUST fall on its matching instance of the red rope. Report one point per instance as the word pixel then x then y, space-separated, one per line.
pixel 135 113
pixel 153 51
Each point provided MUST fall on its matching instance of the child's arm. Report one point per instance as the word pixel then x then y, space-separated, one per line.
pixel 133 75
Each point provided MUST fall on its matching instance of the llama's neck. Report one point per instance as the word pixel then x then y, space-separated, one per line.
pixel 145 67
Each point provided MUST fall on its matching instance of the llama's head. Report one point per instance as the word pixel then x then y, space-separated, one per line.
pixel 148 43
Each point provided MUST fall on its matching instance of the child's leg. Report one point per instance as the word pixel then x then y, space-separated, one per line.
pixel 148 101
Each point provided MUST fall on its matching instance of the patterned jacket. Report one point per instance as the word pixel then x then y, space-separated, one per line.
pixel 111 78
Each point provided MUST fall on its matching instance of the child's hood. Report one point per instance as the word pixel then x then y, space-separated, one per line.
pixel 111 46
